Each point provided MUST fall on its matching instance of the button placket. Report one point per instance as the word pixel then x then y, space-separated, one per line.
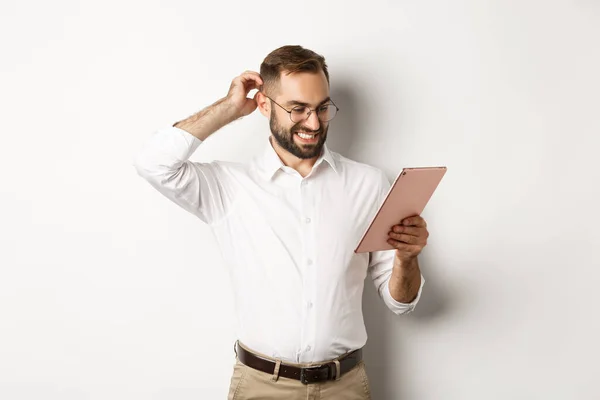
pixel 307 337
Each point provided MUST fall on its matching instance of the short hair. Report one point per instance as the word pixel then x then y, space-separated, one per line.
pixel 290 59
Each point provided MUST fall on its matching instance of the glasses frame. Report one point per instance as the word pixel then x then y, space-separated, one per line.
pixel 310 111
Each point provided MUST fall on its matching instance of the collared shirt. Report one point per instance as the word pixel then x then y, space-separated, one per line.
pixel 287 241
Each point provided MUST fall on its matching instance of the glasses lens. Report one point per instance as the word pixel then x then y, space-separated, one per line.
pixel 326 112
pixel 299 114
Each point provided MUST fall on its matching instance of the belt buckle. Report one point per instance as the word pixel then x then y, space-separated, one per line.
pixel 303 377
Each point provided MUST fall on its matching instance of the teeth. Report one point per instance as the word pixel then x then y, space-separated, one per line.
pixel 305 136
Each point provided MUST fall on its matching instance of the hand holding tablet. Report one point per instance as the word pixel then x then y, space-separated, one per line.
pixel 408 196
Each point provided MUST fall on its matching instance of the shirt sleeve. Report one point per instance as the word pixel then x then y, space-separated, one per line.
pixel 381 264
pixel 196 187
pixel 380 269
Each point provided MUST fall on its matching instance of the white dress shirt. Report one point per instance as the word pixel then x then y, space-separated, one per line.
pixel 287 241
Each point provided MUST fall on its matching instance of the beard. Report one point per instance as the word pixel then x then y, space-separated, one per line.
pixel 285 139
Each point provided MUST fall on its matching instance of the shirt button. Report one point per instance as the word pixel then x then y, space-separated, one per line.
pixel 308 348
pixel 304 183
pixel 309 262
pixel 310 304
pixel 307 220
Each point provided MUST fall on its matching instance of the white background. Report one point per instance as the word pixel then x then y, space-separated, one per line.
pixel 110 291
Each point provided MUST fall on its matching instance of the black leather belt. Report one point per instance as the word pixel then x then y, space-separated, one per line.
pixel 317 373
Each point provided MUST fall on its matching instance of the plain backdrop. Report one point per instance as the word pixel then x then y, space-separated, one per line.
pixel 110 291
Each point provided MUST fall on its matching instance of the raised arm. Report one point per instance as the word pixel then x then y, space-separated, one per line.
pixel 199 188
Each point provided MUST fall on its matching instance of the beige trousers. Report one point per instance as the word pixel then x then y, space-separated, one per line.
pixel 248 383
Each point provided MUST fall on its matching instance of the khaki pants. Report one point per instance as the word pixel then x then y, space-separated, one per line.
pixel 248 383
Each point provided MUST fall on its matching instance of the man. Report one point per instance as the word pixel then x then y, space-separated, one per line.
pixel 287 224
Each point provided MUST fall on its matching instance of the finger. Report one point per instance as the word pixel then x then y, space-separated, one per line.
pixel 250 75
pixel 249 106
pixel 409 230
pixel 250 84
pixel 243 87
pixel 415 221
pixel 409 239
pixel 401 246
pixel 250 78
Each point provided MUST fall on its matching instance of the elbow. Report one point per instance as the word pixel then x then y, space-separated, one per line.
pixel 146 171
pixel 402 310
pixel 397 307
pixel 153 170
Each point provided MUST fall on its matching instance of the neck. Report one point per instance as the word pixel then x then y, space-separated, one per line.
pixel 303 166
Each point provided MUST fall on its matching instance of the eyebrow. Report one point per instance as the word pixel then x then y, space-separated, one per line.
pixel 300 103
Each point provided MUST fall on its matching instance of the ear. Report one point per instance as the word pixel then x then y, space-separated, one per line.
pixel 264 105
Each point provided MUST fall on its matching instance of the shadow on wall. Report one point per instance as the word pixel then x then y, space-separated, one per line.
pixel 384 366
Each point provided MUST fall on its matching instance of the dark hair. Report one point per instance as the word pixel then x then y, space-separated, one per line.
pixel 290 58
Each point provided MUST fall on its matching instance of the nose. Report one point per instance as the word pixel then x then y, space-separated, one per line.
pixel 313 122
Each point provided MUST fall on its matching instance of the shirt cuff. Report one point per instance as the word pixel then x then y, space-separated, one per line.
pixel 398 307
pixel 181 141
pixel 165 150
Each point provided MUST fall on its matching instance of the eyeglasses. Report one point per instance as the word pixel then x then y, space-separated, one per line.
pixel 325 112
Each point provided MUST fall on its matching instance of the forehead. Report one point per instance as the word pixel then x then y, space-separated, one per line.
pixel 307 87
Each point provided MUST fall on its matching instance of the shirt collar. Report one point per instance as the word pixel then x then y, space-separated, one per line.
pixel 271 163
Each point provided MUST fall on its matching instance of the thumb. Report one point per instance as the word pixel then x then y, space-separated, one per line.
pixel 249 106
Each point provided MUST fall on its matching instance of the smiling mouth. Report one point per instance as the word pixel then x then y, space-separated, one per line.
pixel 307 137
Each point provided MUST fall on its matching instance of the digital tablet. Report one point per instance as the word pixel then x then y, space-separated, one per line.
pixel 407 197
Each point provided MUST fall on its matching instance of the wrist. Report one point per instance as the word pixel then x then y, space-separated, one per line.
pixel 406 266
pixel 228 110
